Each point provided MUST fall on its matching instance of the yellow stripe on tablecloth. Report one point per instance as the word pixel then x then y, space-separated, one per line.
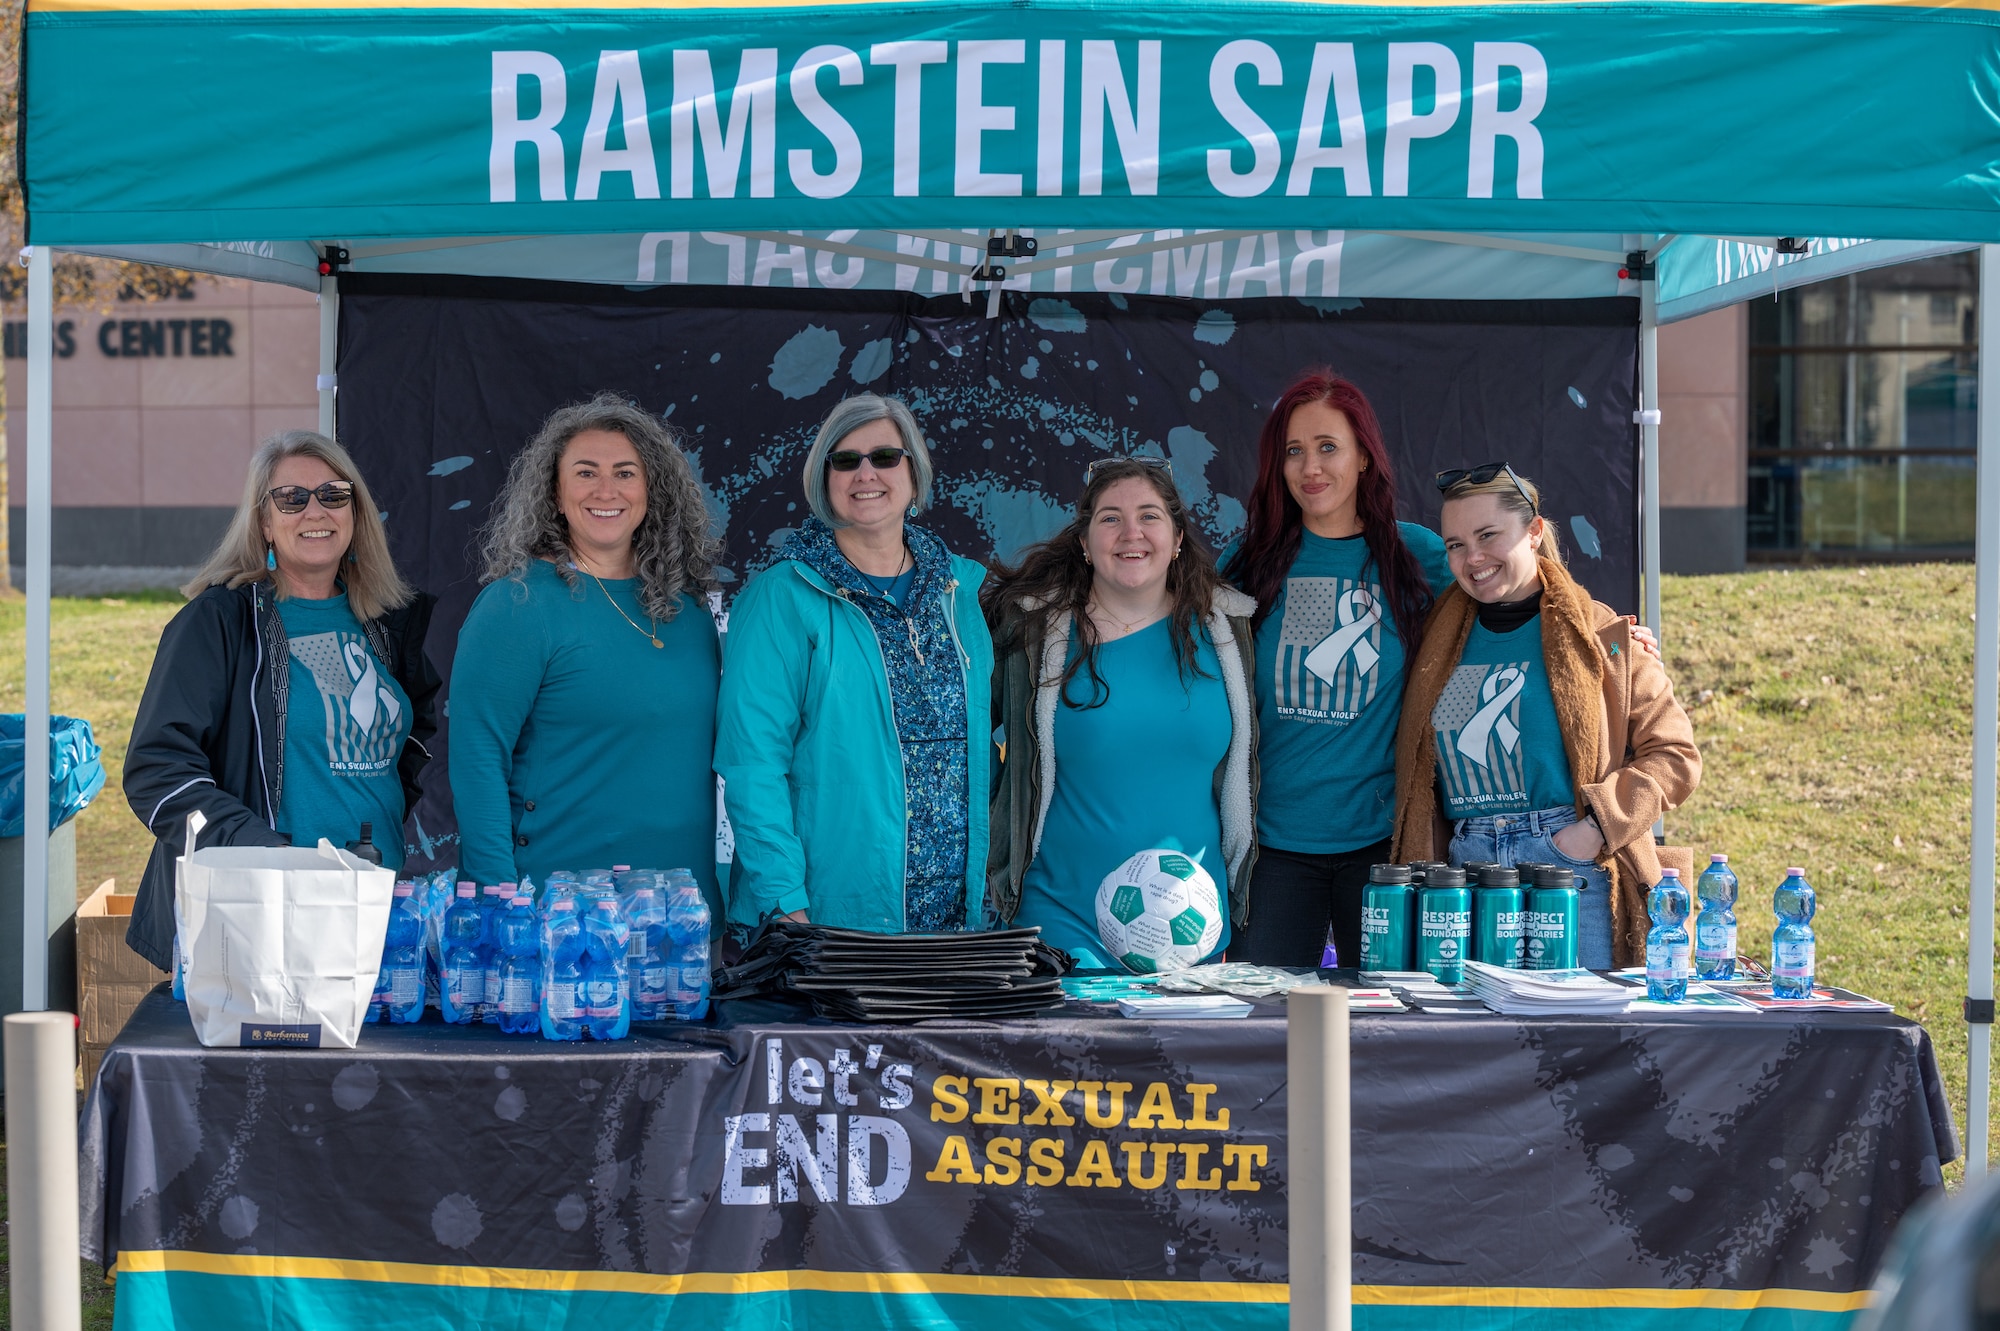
pixel 919 1283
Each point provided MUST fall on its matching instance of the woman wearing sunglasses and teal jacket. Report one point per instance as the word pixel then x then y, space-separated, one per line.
pixel 291 698
pixel 852 733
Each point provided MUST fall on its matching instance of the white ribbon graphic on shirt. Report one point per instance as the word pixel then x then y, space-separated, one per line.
pixel 368 691
pixel 1495 694
pixel 1358 613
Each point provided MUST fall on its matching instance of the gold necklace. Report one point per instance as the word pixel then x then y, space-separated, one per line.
pixel 1125 630
pixel 652 636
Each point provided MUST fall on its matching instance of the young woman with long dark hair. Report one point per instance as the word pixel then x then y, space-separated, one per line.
pixel 1342 588
pixel 1123 693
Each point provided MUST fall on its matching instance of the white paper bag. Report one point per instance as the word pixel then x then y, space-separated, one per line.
pixel 281 944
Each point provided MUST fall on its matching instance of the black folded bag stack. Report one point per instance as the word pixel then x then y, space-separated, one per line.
pixel 848 975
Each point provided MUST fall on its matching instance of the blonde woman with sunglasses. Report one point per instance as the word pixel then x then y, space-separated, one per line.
pixel 290 699
pixel 1537 727
pixel 852 733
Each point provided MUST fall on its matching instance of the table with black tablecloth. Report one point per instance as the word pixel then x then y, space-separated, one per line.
pixel 1079 1170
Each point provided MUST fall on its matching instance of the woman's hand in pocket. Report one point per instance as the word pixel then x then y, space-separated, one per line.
pixel 1579 841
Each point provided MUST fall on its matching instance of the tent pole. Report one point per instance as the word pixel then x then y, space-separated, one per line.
pixel 1985 723
pixel 329 350
pixel 1649 448
pixel 35 779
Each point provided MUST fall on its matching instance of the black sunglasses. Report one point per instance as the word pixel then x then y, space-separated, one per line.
pixel 1480 475
pixel 881 459
pixel 1143 459
pixel 294 498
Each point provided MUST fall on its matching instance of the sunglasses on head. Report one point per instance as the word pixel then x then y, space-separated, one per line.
pixel 294 498
pixel 881 459
pixel 1480 475
pixel 1143 459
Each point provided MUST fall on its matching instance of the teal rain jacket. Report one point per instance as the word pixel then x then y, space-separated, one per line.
pixel 807 748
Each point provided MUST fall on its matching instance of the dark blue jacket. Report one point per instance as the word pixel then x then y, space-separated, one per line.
pixel 210 734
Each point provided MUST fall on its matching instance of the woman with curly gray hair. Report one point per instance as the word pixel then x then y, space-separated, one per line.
pixel 582 715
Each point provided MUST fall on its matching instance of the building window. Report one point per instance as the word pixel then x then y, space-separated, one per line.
pixel 1864 413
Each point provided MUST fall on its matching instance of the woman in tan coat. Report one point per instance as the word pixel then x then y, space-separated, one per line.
pixel 1533 729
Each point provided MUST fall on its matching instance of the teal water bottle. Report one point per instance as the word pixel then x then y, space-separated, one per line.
pixel 1388 919
pixel 1551 925
pixel 1497 918
pixel 1444 924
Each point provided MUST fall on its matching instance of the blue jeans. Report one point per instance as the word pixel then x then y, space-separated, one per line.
pixel 1517 838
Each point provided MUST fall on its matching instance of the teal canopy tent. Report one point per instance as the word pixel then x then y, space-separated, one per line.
pixel 1692 154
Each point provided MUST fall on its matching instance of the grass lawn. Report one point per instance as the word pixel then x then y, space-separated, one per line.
pixel 1833 708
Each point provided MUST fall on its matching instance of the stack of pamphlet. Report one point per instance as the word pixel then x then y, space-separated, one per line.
pixel 1545 993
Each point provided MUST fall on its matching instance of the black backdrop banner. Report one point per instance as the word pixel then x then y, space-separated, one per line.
pixel 443 379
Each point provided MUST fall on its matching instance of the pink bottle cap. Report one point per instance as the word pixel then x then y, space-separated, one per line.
pixel 621 868
pixel 1718 859
pixel 490 890
pixel 1670 873
pixel 1795 872
pixel 467 889
pixel 507 890
pixel 405 889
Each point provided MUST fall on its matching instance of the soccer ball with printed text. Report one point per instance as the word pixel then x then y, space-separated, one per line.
pixel 1159 911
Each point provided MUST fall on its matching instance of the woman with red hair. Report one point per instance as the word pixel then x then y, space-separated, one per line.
pixel 1342 588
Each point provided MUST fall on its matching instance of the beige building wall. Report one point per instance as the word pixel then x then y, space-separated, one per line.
pixel 1704 441
pixel 158 406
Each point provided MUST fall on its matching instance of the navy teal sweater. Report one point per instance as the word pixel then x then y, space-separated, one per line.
pixel 575 743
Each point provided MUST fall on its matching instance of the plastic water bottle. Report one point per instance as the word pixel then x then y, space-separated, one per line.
pixel 1715 927
pixel 1667 941
pixel 562 966
pixel 606 978
pixel 687 929
pixel 403 956
pixel 491 902
pixel 1792 959
pixel 646 958
pixel 519 1004
pixel 464 968
pixel 379 1000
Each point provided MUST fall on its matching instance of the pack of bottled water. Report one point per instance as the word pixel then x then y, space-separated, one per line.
pixel 583 957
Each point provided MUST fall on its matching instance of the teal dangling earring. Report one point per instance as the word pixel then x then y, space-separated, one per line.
pixel 271 558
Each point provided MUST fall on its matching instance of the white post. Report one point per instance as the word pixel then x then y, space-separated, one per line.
pixel 1985 721
pixel 1317 1143
pixel 1649 447
pixel 43 1288
pixel 35 780
pixel 329 350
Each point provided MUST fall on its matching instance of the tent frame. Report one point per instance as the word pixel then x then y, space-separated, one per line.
pixel 1979 1006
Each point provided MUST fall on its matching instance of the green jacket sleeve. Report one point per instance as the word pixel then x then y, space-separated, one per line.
pixel 766 663
pixel 496 675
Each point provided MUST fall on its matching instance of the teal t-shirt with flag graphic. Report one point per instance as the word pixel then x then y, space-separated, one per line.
pixel 1500 749
pixel 346 721
pixel 1329 693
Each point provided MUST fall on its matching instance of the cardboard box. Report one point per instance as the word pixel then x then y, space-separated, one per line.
pixel 110 977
